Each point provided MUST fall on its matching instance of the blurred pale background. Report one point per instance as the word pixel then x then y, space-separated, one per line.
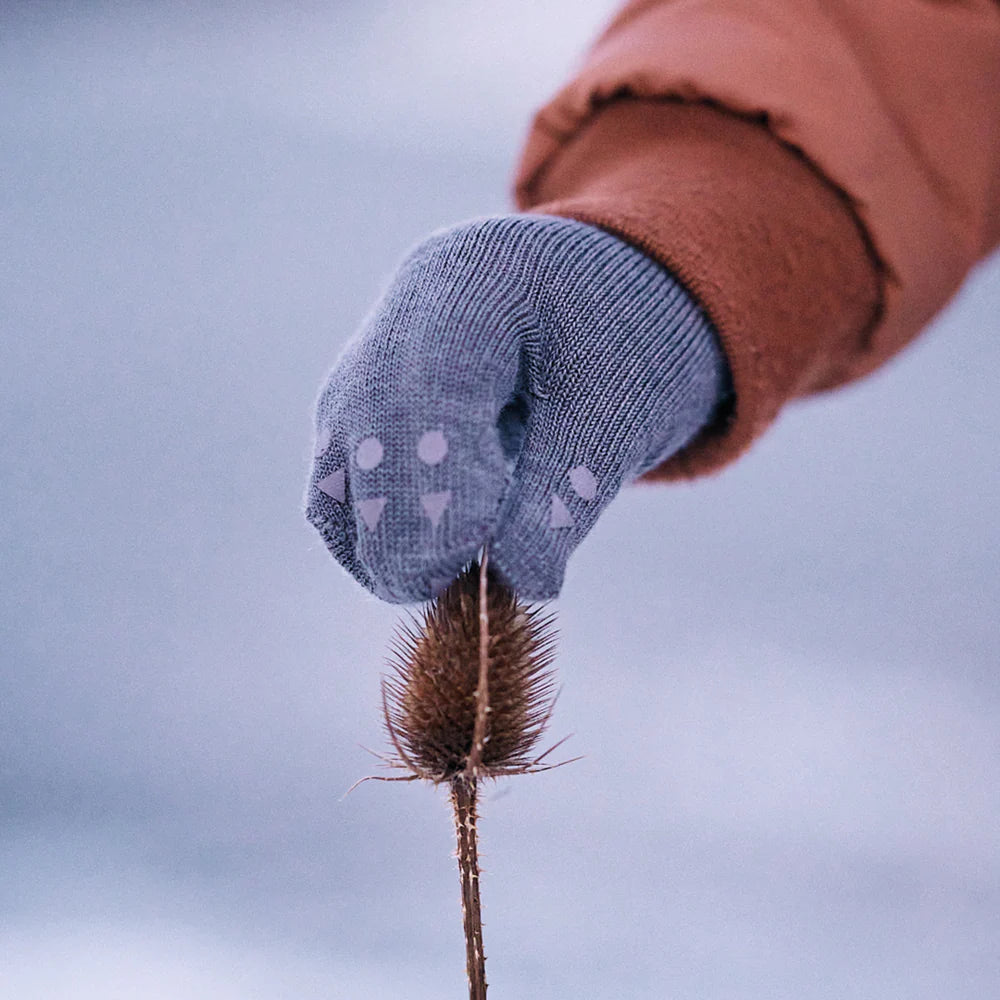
pixel 784 679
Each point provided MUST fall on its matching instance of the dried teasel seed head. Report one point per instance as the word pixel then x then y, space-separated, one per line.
pixel 430 695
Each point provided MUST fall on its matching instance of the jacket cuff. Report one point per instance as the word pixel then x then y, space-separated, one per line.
pixel 771 251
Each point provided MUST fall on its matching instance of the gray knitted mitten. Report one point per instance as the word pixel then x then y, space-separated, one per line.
pixel 516 373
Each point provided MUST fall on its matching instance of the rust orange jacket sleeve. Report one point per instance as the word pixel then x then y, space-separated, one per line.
pixel 821 174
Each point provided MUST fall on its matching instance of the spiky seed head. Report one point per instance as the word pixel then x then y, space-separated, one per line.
pixel 430 695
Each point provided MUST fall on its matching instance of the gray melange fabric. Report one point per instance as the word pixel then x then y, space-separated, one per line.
pixel 516 373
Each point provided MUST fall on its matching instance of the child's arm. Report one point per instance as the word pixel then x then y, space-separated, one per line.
pixel 740 202
pixel 780 156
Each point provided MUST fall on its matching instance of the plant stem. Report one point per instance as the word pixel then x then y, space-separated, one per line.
pixel 463 798
pixel 475 757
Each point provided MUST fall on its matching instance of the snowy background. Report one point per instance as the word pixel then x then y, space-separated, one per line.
pixel 785 679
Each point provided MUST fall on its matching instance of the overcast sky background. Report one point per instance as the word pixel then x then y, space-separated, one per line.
pixel 784 679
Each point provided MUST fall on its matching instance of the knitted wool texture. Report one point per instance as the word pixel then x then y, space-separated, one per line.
pixel 518 371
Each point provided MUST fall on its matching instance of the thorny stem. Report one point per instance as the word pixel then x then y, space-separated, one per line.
pixel 463 798
pixel 483 682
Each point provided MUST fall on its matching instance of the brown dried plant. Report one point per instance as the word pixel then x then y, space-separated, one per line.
pixel 470 693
